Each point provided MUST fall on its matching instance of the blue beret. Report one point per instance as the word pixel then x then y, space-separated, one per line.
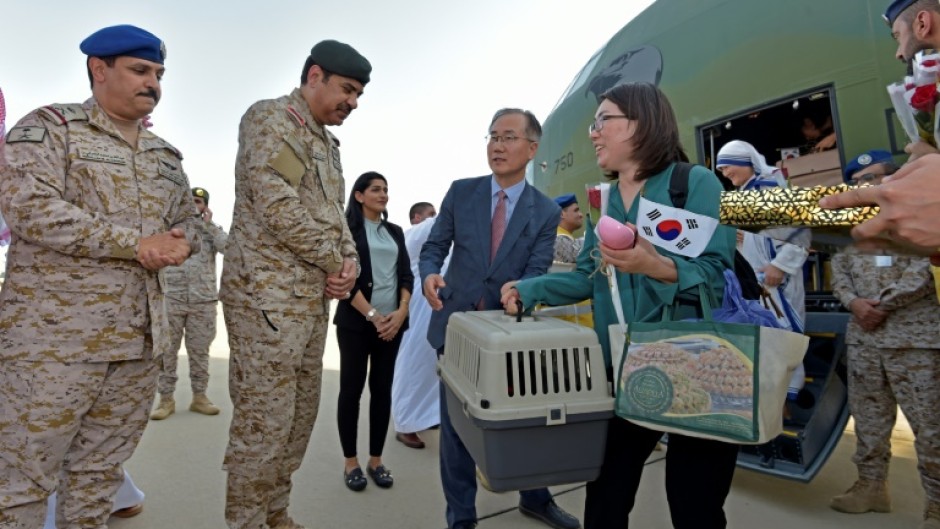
pixel 566 200
pixel 864 160
pixel 341 59
pixel 125 40
pixel 896 8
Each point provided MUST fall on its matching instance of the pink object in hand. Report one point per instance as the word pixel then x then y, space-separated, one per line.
pixel 615 234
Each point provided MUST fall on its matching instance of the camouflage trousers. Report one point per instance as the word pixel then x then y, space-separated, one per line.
pixel 880 380
pixel 195 321
pixel 275 371
pixel 68 428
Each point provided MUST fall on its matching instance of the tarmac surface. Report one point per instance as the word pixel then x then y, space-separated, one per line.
pixel 178 466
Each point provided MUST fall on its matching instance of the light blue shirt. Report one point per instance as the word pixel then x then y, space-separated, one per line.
pixel 513 193
pixel 383 251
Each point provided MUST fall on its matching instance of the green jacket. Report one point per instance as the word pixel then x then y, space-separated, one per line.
pixel 643 298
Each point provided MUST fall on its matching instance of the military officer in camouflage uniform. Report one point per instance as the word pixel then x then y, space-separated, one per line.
pixel 567 247
pixel 893 359
pixel 289 252
pixel 97 204
pixel 191 298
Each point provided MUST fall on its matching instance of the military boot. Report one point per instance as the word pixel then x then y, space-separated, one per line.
pixel 166 408
pixel 202 404
pixel 865 495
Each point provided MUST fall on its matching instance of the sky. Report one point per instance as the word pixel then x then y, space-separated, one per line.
pixel 440 71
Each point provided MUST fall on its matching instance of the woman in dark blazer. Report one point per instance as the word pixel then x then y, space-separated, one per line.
pixel 369 326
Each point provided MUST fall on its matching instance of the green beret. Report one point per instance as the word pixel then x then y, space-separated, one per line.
pixel 341 59
pixel 201 193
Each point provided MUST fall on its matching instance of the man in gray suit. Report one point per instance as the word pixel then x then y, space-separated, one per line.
pixel 502 229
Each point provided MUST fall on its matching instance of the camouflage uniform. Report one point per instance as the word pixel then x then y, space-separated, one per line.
pixel 79 317
pixel 289 232
pixel 567 247
pixel 191 299
pixel 896 364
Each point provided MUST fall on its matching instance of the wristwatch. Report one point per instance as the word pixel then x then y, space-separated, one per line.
pixel 370 314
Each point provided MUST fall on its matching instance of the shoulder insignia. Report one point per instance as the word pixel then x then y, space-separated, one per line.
pixel 62 114
pixel 33 134
pixel 296 116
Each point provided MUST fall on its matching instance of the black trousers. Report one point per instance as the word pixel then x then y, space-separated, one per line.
pixel 698 478
pixel 361 355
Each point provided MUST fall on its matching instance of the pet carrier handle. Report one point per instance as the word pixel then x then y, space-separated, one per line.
pixel 518 310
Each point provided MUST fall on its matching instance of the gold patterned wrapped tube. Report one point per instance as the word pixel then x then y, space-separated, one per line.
pixel 795 206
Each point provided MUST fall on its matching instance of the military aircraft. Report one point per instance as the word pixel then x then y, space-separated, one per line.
pixel 763 72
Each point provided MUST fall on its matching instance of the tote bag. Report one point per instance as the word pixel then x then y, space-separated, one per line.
pixel 708 379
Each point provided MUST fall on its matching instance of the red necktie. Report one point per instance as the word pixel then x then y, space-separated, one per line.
pixel 498 227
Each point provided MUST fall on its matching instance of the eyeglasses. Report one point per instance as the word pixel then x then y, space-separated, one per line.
pixel 598 124
pixel 505 140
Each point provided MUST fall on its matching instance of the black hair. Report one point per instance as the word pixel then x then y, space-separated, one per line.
pixel 109 60
pixel 419 207
pixel 354 214
pixel 307 65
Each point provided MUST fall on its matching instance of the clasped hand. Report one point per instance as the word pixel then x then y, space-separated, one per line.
pixel 338 284
pixel 169 248
pixel 388 325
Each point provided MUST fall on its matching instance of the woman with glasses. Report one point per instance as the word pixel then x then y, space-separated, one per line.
pixel 369 326
pixel 636 140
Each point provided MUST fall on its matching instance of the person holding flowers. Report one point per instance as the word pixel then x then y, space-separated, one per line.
pixel 909 200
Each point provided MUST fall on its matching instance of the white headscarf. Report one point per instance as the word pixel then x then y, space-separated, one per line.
pixel 743 154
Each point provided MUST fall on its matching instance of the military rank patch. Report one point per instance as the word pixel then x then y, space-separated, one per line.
pixel 33 134
pixel 296 116
pixel 171 172
pixel 65 113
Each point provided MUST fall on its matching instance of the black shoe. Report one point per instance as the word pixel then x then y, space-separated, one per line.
pixel 552 515
pixel 354 480
pixel 381 476
pixel 465 525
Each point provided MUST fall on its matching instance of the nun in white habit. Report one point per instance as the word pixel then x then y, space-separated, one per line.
pixel 776 254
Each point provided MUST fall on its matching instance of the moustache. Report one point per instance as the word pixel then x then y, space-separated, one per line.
pixel 345 108
pixel 151 93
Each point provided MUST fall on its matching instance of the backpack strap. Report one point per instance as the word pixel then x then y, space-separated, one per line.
pixel 679 184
